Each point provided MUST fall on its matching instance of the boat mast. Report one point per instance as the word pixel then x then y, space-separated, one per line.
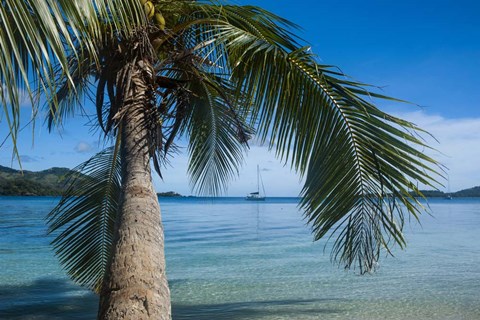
pixel 258 180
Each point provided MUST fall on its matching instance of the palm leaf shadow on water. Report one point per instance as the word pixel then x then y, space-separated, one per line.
pixel 47 298
pixel 60 299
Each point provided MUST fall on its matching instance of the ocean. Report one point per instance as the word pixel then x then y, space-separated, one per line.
pixel 233 259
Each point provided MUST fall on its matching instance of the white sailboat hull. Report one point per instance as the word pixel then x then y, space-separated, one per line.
pixel 254 197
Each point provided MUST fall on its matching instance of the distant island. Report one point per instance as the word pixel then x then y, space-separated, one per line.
pixel 51 182
pixel 169 194
pixel 465 193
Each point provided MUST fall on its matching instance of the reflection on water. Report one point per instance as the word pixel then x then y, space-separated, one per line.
pixel 277 309
pixel 233 259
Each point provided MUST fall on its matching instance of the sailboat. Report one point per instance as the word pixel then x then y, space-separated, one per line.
pixel 255 196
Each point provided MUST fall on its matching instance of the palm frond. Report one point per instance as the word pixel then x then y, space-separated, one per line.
pixel 217 137
pixel 83 221
pixel 68 99
pixel 360 164
pixel 28 50
pixel 40 37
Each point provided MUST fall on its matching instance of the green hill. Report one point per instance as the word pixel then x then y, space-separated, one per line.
pixel 48 182
pixel 465 193
pixel 433 193
pixel 471 192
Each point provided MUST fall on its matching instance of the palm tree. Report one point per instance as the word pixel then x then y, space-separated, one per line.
pixel 212 75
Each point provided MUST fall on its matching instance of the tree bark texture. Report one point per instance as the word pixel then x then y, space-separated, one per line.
pixel 135 285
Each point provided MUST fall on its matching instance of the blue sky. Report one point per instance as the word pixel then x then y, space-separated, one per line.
pixel 426 52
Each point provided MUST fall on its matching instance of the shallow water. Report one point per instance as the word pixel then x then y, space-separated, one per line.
pixel 233 259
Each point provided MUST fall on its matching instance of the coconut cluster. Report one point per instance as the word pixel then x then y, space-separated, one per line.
pixel 153 13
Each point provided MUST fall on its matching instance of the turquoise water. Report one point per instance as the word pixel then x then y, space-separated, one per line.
pixel 233 259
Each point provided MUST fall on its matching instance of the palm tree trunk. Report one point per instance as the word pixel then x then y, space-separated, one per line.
pixel 135 285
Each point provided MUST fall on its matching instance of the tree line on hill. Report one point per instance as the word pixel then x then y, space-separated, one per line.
pixel 50 182
pixel 465 193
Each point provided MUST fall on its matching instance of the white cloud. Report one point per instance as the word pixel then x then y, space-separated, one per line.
pixel 22 95
pixel 458 146
pixel 84 147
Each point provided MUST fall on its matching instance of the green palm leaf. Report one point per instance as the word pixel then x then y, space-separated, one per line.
pixel 40 37
pixel 217 137
pixel 66 102
pixel 83 220
pixel 358 161
pixel 29 50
